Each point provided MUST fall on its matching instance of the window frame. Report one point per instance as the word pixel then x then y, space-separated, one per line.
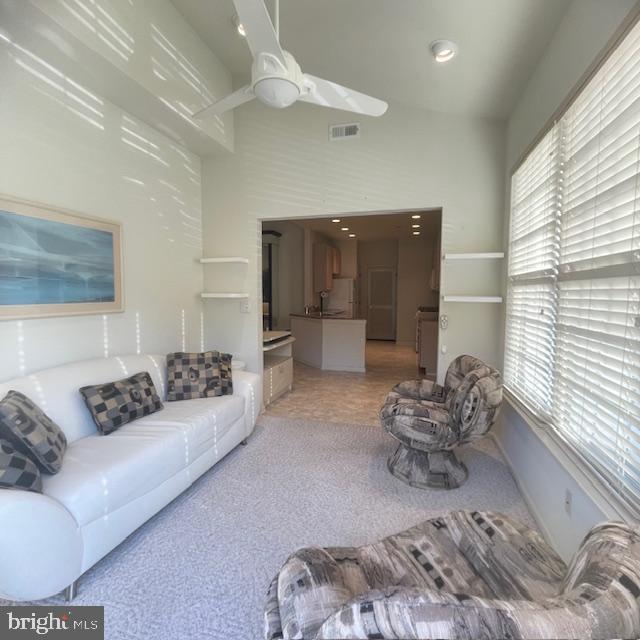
pixel 584 472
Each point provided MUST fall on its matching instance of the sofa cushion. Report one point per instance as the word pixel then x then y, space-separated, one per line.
pixel 31 431
pixel 55 390
pixel 198 375
pixel 420 424
pixel 17 471
pixel 113 404
pixel 204 421
pixel 102 474
pixel 513 560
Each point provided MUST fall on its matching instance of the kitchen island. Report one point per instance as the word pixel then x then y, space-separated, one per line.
pixel 332 342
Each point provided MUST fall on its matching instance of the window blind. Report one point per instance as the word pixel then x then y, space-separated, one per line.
pixel 533 255
pixel 572 347
pixel 596 402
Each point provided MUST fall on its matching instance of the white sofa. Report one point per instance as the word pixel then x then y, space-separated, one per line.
pixel 109 485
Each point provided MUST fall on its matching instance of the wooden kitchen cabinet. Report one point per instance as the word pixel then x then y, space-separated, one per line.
pixel 336 261
pixel 322 267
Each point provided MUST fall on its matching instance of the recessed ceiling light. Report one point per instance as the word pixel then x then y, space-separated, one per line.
pixel 336 220
pixel 416 217
pixel 415 226
pixel 443 50
pixel 344 229
pixel 238 25
pixel 352 235
pixel 416 233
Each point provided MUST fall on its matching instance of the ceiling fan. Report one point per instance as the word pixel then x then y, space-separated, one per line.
pixel 276 78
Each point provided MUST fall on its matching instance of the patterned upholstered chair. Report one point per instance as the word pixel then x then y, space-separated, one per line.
pixel 430 421
pixel 465 576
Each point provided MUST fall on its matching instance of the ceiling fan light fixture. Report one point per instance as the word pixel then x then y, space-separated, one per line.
pixel 276 78
pixel 443 50
pixel 238 25
pixel 276 92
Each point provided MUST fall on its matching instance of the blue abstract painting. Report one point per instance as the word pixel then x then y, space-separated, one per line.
pixel 47 262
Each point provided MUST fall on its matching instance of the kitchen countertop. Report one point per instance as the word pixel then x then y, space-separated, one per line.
pixel 318 316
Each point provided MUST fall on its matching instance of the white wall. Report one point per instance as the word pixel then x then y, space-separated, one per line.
pixel 64 146
pixel 542 471
pixel 372 254
pixel 152 44
pixel 415 262
pixel 284 167
pixel 580 37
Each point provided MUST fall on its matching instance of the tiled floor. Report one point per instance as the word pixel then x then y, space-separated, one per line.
pixel 354 398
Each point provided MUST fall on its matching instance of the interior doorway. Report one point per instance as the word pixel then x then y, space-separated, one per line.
pixel 380 269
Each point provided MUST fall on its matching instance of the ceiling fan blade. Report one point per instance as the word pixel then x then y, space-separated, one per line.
pixel 261 36
pixel 330 94
pixel 232 101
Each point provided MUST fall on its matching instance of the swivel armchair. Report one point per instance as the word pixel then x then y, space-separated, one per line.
pixel 463 576
pixel 430 421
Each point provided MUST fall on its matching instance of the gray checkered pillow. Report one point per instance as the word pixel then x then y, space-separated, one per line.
pixel 115 403
pixel 17 471
pixel 31 431
pixel 198 375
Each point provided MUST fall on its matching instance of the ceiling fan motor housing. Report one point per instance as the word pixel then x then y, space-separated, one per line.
pixel 275 84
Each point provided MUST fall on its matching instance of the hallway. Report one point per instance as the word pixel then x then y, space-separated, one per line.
pixel 353 398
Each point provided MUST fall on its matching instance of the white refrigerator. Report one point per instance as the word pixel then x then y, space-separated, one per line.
pixel 342 297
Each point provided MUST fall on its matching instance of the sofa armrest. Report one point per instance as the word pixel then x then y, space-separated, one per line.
pixel 309 587
pixel 425 614
pixel 40 546
pixel 249 385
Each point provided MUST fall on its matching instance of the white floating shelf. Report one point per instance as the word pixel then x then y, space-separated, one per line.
pixel 236 260
pixel 224 295
pixel 473 256
pixel 491 299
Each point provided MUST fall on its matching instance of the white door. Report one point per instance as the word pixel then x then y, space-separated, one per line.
pixel 381 303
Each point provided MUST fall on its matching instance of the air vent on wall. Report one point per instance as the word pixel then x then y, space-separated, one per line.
pixel 344 131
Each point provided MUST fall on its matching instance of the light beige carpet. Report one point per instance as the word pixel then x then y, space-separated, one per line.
pixel 200 568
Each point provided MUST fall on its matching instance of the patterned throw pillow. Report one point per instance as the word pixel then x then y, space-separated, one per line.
pixel 115 403
pixel 226 381
pixel 198 375
pixel 31 431
pixel 17 471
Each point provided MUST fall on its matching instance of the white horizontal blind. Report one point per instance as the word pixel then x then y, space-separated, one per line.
pixel 596 403
pixel 533 255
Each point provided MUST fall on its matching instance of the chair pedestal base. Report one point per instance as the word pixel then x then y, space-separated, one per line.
pixel 435 470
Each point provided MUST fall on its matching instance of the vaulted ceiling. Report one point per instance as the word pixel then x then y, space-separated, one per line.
pixel 381 47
